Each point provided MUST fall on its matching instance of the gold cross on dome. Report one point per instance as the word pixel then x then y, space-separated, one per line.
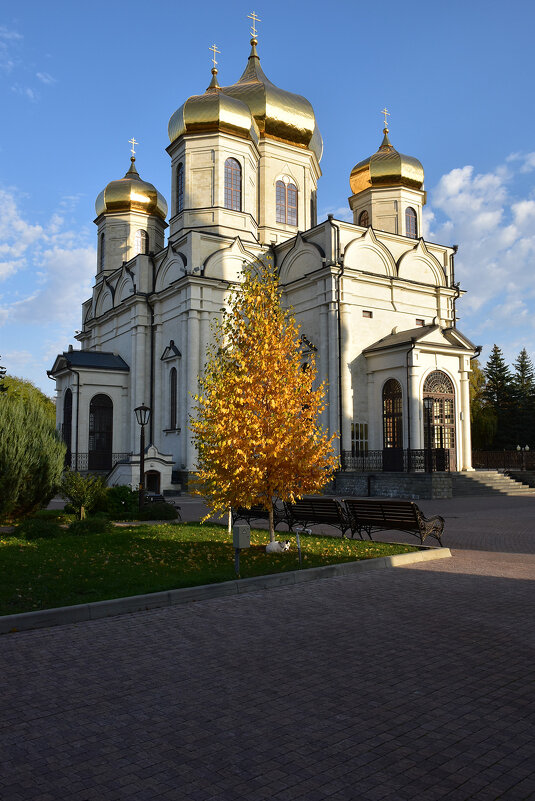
pixel 133 143
pixel 255 19
pixel 214 51
pixel 386 112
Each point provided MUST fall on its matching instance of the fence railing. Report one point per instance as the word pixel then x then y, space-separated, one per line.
pixel 421 460
pixel 96 460
pixel 503 460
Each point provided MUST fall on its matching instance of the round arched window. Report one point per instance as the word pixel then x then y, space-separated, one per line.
pixel 411 223
pixel 232 185
pixel 364 219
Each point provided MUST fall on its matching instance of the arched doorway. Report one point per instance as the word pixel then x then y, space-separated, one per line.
pixel 152 481
pixel 100 433
pixel 392 426
pixel 66 428
pixel 439 421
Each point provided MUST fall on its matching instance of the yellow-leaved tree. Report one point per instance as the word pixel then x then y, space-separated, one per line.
pixel 256 421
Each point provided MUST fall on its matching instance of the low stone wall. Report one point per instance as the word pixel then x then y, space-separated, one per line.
pixel 392 485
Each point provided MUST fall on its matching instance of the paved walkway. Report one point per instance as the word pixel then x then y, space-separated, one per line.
pixel 414 683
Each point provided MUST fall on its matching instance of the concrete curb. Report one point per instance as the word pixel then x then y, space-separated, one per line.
pixel 140 603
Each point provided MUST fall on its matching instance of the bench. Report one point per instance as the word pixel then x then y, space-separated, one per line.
pixel 153 497
pixel 379 515
pixel 258 512
pixel 315 511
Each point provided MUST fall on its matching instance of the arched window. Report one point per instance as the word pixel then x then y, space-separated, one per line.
pixel 100 433
pixel 364 219
pixel 172 398
pixel 232 185
pixel 179 188
pixel 392 414
pixel 439 418
pixel 142 242
pixel 411 224
pixel 286 202
pixel 66 428
pixel 102 255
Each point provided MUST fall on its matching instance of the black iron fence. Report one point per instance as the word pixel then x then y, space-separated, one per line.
pixel 504 460
pixel 97 460
pixel 421 460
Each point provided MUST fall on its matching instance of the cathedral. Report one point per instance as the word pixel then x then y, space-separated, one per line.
pixel 374 300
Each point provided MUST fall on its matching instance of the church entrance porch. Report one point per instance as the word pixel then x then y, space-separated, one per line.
pixel 439 418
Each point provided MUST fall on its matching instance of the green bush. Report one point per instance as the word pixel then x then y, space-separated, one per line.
pixel 35 528
pixel 84 492
pixel 120 503
pixel 157 511
pixel 31 454
pixel 90 525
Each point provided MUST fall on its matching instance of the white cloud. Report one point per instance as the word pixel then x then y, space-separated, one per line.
pixel 8 41
pixel 339 213
pixel 45 78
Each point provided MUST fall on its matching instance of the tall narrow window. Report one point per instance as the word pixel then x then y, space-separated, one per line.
pixel 180 188
pixel 392 414
pixel 142 242
pixel 102 255
pixel 313 208
pixel 286 202
pixel 411 225
pixel 100 433
pixel 172 398
pixel 364 219
pixel 66 428
pixel 232 185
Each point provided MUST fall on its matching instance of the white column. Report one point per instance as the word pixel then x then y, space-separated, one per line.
pixel 466 439
pixel 375 417
pixel 347 392
pixel 192 379
pixel 323 371
pixel 333 368
pixel 159 393
pixel 414 403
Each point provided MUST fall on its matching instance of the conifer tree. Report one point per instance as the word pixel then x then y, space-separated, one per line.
pixel 499 395
pixel 483 419
pixel 524 399
pixel 256 425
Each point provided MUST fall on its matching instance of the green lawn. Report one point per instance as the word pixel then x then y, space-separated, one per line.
pixel 46 573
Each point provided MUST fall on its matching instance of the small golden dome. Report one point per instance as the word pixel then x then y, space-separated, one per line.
pixel 213 111
pixel 279 114
pixel 131 194
pixel 387 167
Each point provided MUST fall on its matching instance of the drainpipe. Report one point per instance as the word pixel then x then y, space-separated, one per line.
pixel 339 262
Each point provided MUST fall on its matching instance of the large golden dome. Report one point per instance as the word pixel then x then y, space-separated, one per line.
pixel 131 194
pixel 213 111
pixel 279 114
pixel 387 167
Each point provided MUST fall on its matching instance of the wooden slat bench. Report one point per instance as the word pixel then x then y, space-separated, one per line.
pixel 385 515
pixel 317 510
pixel 258 512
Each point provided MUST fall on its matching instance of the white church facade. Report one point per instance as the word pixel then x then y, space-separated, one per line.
pixel 374 300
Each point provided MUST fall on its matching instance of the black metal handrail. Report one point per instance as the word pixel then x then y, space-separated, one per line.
pixel 97 460
pixel 504 460
pixel 419 460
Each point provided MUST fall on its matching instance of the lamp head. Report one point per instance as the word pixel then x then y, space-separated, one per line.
pixel 142 414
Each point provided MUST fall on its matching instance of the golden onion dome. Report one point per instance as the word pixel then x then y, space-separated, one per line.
pixel 279 114
pixel 131 194
pixel 387 167
pixel 213 111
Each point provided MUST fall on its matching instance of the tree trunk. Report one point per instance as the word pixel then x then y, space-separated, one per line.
pixel 82 512
pixel 229 520
pixel 271 526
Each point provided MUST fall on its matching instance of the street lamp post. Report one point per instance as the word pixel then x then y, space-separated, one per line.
pixel 142 416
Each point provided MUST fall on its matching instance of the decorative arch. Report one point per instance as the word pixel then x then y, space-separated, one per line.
pixel 104 302
pixel 366 253
pixel 125 288
pixel 304 257
pixel 100 432
pixel 227 263
pixel 170 271
pixel 418 264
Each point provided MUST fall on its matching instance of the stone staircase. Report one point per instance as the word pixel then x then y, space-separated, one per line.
pixel 488 482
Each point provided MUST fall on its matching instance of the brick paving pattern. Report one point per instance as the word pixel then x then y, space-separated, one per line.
pixel 412 683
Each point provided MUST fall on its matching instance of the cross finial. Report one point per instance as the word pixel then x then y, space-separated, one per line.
pixel 255 19
pixel 214 51
pixel 133 143
pixel 386 112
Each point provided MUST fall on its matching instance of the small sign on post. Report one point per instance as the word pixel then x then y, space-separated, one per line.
pixel 241 538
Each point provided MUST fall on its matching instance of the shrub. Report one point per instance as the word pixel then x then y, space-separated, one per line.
pixel 157 511
pixel 35 528
pixel 84 492
pixel 90 525
pixel 119 502
pixel 31 455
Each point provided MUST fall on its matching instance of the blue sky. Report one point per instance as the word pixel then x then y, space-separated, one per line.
pixel 78 80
